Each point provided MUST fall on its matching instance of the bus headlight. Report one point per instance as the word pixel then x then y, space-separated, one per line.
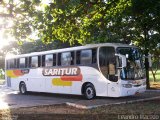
pixel 127 85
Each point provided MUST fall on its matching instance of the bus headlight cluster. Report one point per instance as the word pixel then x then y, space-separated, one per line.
pixel 127 85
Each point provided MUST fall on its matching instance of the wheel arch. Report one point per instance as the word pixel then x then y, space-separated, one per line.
pixel 83 87
pixel 21 82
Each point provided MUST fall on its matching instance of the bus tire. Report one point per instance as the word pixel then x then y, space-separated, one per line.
pixel 23 88
pixel 89 91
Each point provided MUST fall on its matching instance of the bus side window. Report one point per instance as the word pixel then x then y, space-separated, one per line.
pixel 22 62
pixel 12 63
pixel 78 53
pixel 107 63
pixel 94 55
pixel 86 57
pixel 49 60
pixel 34 61
pixel 66 59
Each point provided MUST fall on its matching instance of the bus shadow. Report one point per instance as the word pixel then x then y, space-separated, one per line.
pixel 79 97
pixel 55 95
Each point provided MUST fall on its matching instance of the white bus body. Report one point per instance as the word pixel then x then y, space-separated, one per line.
pixel 108 69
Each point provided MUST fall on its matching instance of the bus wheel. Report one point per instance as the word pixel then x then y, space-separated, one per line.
pixel 89 91
pixel 22 88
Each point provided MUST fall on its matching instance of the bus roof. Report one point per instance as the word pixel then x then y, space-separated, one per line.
pixel 115 45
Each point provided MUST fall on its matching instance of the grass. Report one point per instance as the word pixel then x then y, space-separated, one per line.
pixel 64 112
pixel 156 84
pixel 148 107
pixel 157 76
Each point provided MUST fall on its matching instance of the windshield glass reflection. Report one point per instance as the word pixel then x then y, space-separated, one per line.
pixel 135 68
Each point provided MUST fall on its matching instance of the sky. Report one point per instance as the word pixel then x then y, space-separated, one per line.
pixel 3 40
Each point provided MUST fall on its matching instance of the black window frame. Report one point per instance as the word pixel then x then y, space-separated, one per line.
pixel 38 61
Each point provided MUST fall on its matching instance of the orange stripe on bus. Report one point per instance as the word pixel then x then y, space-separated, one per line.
pixel 17 72
pixel 72 78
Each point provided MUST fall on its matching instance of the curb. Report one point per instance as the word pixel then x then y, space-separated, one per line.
pixel 95 106
pixel 76 105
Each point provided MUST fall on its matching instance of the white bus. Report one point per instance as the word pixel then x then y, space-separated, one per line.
pixel 108 69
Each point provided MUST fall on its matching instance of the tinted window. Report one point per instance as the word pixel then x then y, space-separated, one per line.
pixel 107 62
pixel 66 58
pixel 12 64
pixel 34 61
pixel 86 57
pixel 22 62
pixel 49 60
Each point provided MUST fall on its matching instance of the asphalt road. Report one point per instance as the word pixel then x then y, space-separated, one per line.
pixel 13 99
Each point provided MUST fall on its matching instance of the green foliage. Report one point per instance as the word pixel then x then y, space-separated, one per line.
pixel 38 45
pixel 2 75
pixel 11 48
pixel 67 20
pixel 88 21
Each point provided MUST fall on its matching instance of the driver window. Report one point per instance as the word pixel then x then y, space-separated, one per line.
pixel 107 61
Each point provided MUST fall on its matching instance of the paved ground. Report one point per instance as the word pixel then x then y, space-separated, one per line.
pixel 13 99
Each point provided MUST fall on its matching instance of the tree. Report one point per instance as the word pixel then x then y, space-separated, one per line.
pixel 146 21
pixel 11 48
pixel 156 61
pixel 139 24
pixel 66 20
pixel 90 21
pixel 39 45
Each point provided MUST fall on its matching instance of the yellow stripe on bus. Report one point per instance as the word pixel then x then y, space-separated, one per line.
pixel 59 82
pixel 11 74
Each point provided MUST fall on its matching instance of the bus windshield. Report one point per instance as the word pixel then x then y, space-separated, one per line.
pixel 135 68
